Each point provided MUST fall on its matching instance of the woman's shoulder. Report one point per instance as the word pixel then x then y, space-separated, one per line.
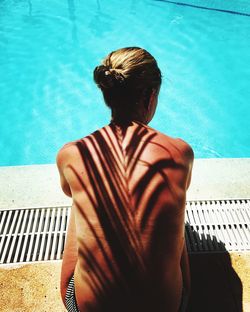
pixel 68 151
pixel 175 145
pixel 74 148
pixel 184 147
pixel 68 147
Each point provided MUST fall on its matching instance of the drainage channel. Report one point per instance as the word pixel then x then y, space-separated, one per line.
pixel 38 234
pixel 218 226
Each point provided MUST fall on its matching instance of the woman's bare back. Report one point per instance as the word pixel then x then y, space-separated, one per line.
pixel 128 186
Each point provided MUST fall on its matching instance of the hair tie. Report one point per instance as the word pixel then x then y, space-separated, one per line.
pixel 120 77
pixel 107 77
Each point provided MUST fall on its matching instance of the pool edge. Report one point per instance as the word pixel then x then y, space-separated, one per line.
pixel 39 185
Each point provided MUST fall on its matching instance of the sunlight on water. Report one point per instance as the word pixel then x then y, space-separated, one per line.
pixel 49 51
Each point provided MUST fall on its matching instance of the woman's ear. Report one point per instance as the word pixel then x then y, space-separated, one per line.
pixel 152 97
pixel 153 93
pixel 148 96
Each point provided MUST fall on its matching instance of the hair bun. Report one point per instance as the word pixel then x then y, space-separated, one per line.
pixel 107 78
pixel 103 77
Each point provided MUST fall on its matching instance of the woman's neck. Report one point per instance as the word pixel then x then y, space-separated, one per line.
pixel 126 119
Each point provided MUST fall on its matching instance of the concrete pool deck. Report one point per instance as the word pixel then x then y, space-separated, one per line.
pixel 38 185
pixel 35 286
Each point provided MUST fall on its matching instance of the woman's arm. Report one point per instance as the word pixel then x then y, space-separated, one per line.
pixel 70 255
pixel 61 160
pixel 185 278
pixel 185 269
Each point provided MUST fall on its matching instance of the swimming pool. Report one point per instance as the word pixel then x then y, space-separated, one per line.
pixel 49 50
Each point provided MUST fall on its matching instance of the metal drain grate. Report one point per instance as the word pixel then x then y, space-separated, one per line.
pixel 37 234
pixel 32 234
pixel 218 225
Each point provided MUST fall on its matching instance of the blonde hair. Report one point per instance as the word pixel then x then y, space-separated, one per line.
pixel 126 76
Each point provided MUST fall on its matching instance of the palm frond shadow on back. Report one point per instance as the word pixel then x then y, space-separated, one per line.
pixel 109 168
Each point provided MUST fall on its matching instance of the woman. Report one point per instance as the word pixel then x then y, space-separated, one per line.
pixel 125 247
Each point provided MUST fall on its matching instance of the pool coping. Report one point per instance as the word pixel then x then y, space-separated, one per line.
pixel 39 185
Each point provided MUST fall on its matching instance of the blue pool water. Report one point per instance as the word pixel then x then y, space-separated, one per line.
pixel 48 50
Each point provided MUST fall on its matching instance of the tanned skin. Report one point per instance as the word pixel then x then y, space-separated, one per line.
pixel 125 242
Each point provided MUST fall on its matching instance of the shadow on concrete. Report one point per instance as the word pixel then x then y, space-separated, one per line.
pixel 215 284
